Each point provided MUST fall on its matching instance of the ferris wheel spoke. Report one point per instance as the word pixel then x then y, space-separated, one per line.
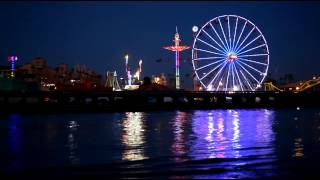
pixel 245 38
pixel 251 67
pixel 218 72
pixel 248 72
pixel 211 71
pixel 217 89
pixel 253 55
pixel 241 34
pixel 235 32
pixel 240 82
pixel 223 34
pixel 239 52
pixel 232 73
pixel 229 31
pixel 223 48
pixel 215 78
pixel 248 60
pixel 203 50
pixel 246 80
pixel 199 59
pixel 209 64
pixel 209 45
pixel 226 88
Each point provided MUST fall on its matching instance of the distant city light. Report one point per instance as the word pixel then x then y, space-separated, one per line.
pixel 12 59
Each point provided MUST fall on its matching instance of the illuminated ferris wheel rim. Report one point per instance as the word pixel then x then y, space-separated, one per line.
pixel 225 50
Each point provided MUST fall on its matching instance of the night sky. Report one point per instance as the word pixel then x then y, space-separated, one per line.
pixel 99 33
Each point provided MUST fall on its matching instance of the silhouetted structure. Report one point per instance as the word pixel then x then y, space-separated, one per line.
pixel 149 86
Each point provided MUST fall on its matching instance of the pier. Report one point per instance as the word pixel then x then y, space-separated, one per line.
pixel 56 101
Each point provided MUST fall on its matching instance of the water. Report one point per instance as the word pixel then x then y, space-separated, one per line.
pixel 238 143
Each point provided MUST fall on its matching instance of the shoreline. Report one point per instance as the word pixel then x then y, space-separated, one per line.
pixel 120 101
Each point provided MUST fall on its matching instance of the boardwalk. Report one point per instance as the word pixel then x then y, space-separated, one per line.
pixel 150 100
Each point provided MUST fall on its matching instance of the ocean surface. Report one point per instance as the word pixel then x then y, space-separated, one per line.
pixel 235 143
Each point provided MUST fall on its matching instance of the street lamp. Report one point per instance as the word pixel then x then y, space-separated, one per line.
pixel 195 29
pixel 195 82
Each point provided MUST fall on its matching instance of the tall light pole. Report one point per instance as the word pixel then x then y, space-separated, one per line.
pixel 140 69
pixel 195 81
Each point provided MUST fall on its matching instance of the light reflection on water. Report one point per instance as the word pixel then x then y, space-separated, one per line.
pixel 236 138
pixel 226 136
pixel 72 142
pixel 178 126
pixel 15 139
pixel 133 136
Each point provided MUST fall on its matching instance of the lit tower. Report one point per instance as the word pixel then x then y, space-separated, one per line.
pixel 177 48
pixel 12 60
pixel 139 70
pixel 127 69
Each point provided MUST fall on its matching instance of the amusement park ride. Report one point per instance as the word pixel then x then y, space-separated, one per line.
pixel 177 48
pixel 134 80
pixel 231 55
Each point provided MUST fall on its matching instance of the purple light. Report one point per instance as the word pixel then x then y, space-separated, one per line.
pixel 12 58
pixel 222 133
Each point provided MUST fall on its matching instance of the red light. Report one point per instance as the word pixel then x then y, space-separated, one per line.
pixel 46 99
pixel 232 57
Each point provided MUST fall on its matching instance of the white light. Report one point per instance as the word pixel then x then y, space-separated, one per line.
pixel 235 88
pixel 195 28
pixel 209 88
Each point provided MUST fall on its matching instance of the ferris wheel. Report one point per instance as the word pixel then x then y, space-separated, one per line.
pixel 230 53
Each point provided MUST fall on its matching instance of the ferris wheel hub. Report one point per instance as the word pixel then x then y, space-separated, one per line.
pixel 232 56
